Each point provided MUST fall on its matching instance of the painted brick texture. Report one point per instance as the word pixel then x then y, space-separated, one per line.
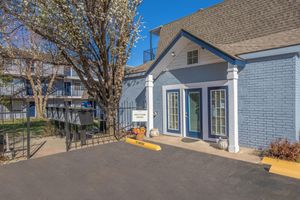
pixel 266 94
pixel 297 97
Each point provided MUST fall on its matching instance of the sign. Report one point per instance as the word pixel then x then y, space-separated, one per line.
pixel 139 116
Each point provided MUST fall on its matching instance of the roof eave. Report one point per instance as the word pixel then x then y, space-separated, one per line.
pixel 218 52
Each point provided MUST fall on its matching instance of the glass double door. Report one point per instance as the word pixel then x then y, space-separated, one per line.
pixel 193 113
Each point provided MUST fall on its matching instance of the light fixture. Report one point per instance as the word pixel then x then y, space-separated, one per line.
pixel 173 54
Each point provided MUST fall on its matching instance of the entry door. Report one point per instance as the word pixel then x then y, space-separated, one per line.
pixel 31 109
pixel 194 113
pixel 67 89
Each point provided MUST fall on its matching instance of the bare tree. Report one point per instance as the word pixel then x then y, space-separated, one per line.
pixel 95 37
pixel 4 80
pixel 35 61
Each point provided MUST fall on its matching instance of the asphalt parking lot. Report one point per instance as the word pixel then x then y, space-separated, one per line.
pixel 123 171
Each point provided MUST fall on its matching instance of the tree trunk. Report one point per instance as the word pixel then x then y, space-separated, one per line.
pixel 110 119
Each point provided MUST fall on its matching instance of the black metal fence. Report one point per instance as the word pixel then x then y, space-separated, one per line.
pixel 125 115
pixel 83 127
pixel 14 135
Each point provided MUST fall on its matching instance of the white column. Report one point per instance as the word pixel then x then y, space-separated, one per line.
pixel 232 77
pixel 149 101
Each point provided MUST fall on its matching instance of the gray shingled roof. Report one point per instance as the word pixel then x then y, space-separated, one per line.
pixel 240 26
pixel 230 24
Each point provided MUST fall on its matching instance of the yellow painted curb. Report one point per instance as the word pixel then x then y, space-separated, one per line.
pixel 282 163
pixel 146 145
pixel 285 171
pixel 268 161
pixel 282 167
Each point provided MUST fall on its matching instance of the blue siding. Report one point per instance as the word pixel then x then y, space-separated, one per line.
pixel 134 92
pixel 266 94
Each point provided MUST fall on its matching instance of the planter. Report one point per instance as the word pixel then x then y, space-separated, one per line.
pixel 154 132
pixel 222 143
pixel 143 130
pixel 140 136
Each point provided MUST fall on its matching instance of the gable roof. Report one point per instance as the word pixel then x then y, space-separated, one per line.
pixel 218 52
pixel 228 24
pixel 238 26
pixel 140 68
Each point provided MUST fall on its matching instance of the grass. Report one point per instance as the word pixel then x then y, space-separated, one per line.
pixel 37 126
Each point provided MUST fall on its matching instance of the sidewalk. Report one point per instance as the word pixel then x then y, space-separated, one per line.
pixel 245 154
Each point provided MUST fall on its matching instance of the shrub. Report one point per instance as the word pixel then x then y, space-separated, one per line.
pixel 285 150
pixel 49 129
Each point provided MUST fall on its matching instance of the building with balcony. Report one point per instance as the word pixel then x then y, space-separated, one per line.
pixel 67 87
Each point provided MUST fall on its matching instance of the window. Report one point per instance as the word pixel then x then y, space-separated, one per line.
pixel 192 57
pixel 173 113
pixel 218 111
pixel 77 86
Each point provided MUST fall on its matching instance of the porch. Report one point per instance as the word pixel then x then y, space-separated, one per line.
pixel 192 92
pixel 245 154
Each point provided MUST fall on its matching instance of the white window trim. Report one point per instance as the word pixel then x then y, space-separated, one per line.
pixel 182 87
pixel 191 50
pixel 211 116
pixel 271 52
pixel 179 100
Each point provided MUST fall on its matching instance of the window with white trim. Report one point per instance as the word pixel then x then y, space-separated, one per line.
pixel 218 116
pixel 192 57
pixel 173 110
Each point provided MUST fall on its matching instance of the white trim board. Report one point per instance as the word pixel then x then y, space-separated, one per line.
pixel 271 52
pixel 182 88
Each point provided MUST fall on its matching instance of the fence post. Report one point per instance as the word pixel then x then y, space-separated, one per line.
pixel 67 125
pixel 149 99
pixel 28 131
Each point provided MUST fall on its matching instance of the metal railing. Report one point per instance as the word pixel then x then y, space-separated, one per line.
pixel 149 55
pixel 77 93
pixel 14 135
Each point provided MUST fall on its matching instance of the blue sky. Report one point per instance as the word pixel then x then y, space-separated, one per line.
pixel 159 12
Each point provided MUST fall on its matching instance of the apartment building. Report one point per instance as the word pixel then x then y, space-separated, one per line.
pixel 67 87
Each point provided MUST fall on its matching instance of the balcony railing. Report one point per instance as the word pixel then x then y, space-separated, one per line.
pixel 149 55
pixel 77 93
